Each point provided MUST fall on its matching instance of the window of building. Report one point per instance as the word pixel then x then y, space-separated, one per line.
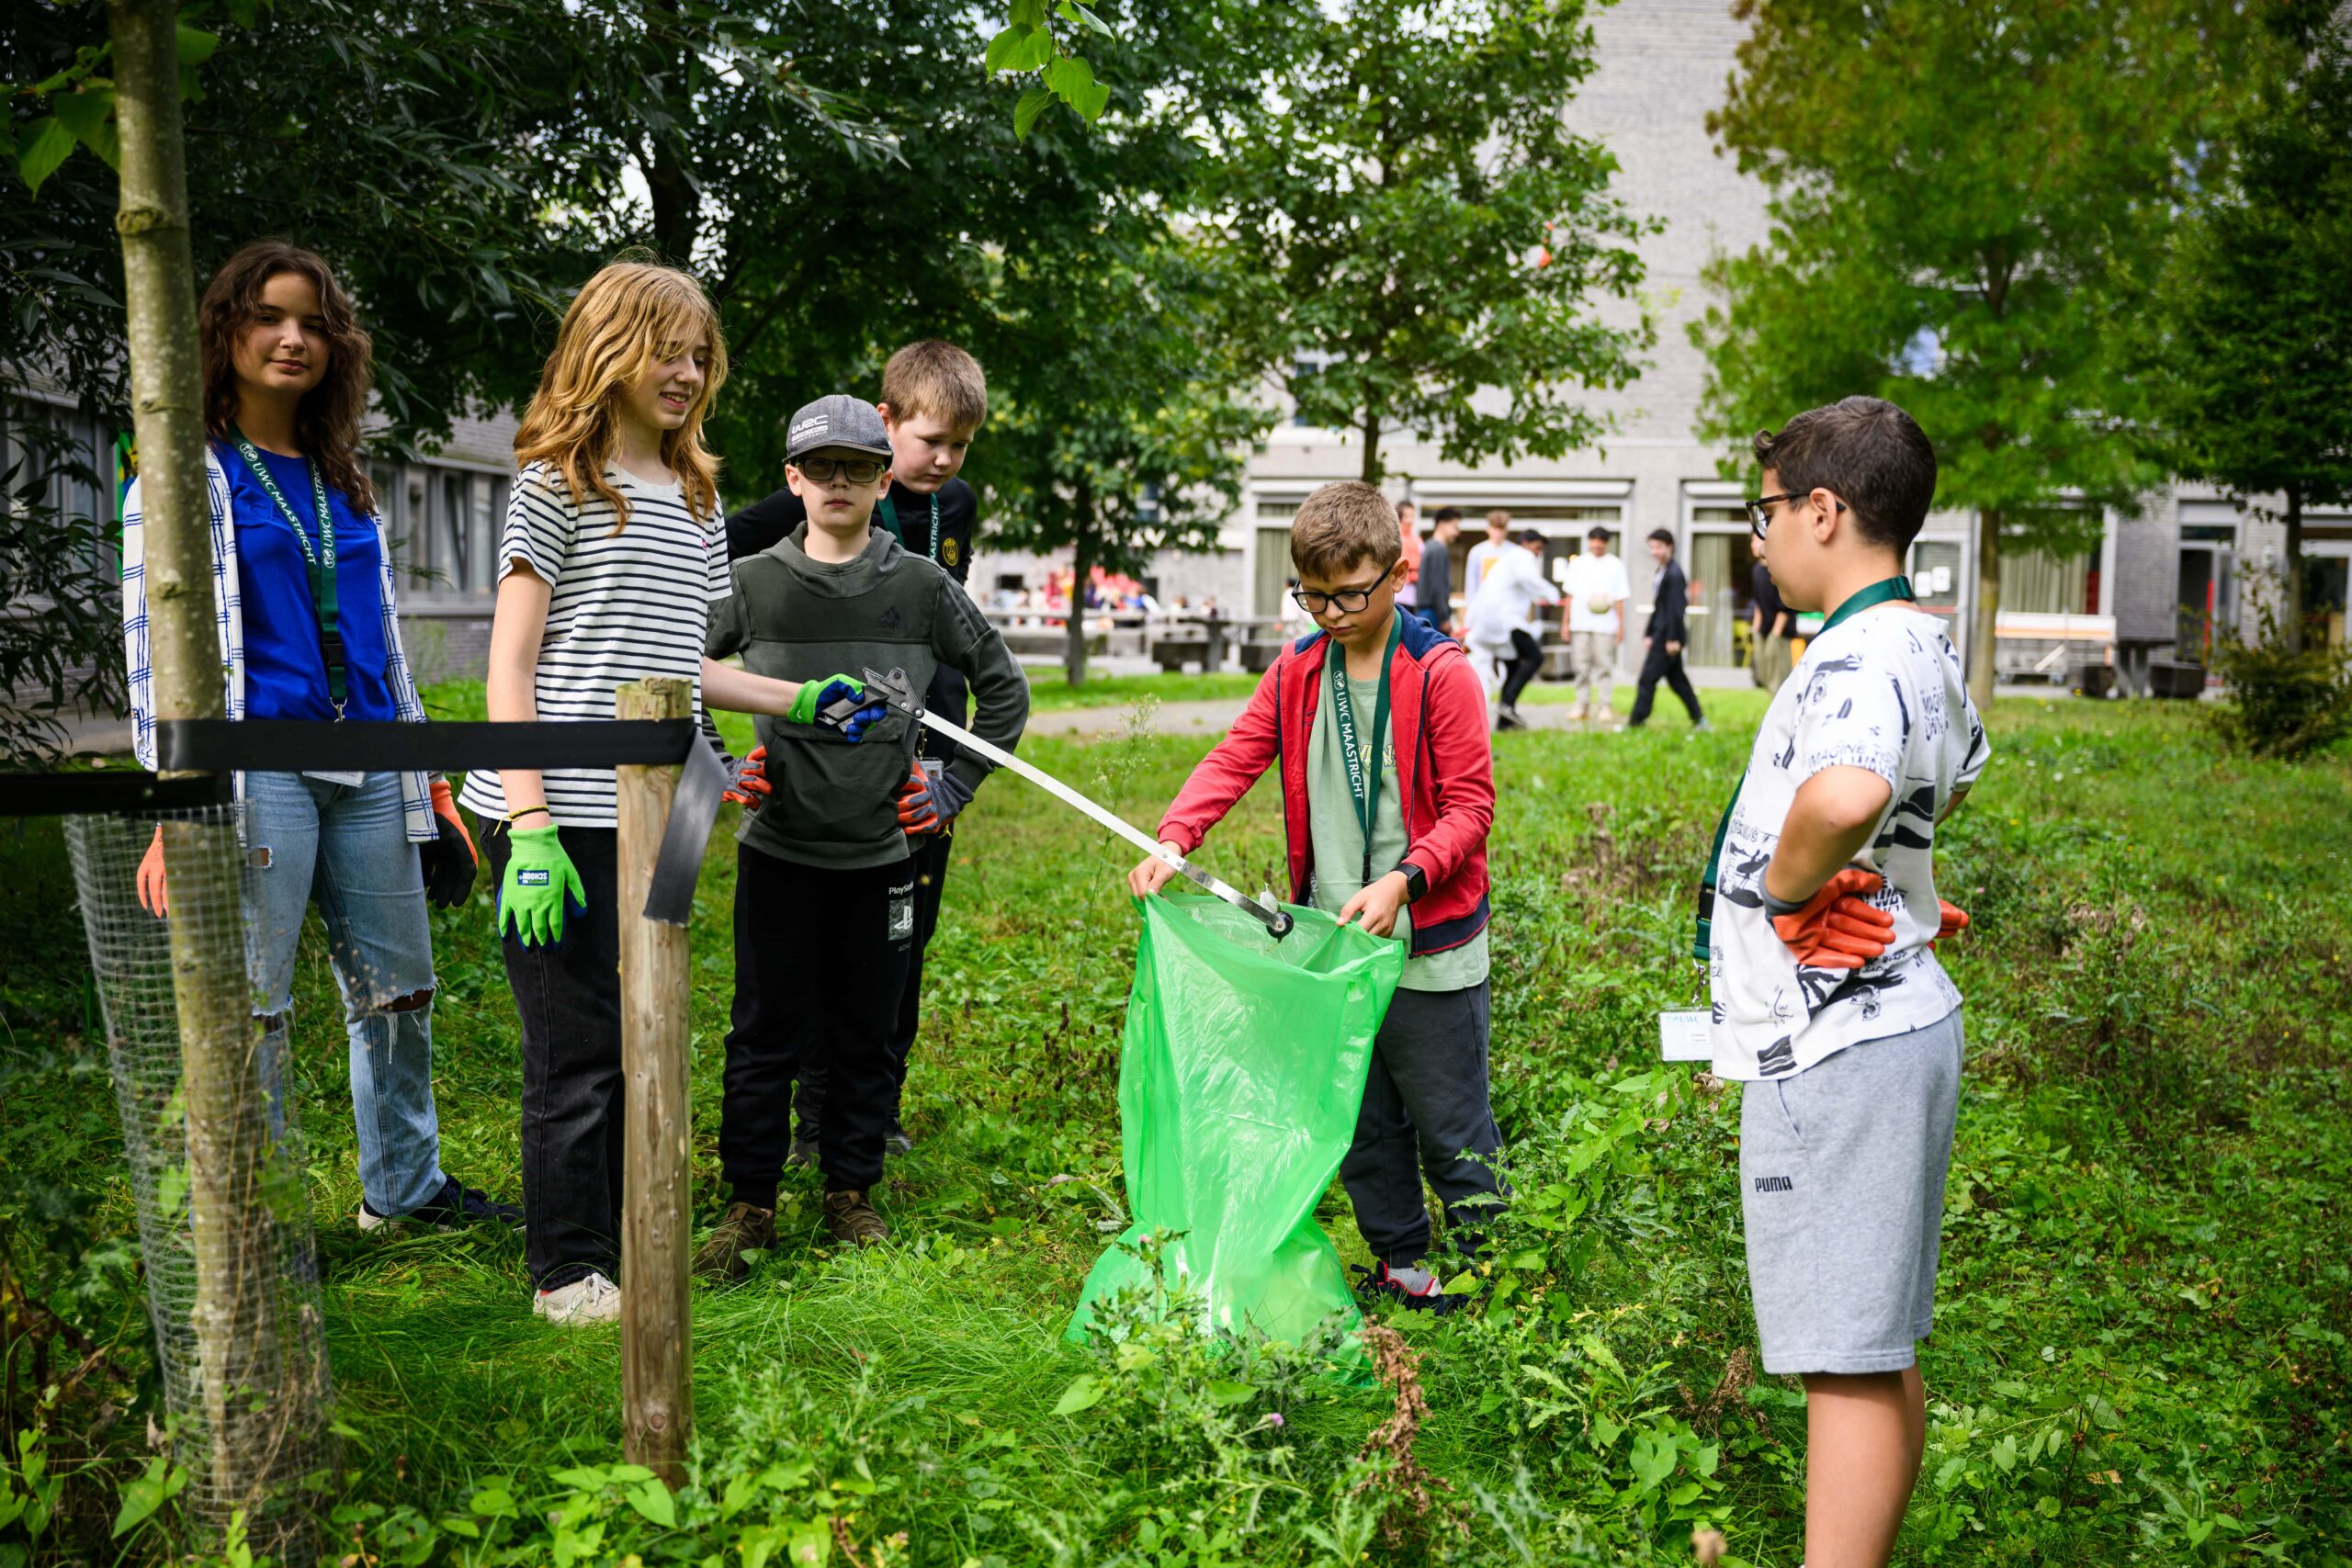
pixel 2035 583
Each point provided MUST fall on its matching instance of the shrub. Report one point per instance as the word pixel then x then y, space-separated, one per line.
pixel 2283 704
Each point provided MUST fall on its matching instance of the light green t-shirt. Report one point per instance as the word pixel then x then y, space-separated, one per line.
pixel 1337 837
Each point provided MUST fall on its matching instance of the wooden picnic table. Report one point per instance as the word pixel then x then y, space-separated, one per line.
pixel 1214 630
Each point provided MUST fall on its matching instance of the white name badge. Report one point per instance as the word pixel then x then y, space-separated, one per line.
pixel 1682 1037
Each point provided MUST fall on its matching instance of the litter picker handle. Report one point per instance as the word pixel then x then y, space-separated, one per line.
pixel 896 690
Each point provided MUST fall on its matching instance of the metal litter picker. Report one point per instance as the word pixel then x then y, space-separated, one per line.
pixel 896 691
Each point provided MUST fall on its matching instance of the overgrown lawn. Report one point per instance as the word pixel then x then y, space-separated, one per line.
pixel 2139 1352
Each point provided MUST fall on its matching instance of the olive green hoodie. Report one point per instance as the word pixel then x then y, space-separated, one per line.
pixel 835 804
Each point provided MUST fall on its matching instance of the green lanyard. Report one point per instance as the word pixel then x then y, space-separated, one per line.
pixel 320 560
pixel 1881 592
pixel 1363 779
pixel 889 510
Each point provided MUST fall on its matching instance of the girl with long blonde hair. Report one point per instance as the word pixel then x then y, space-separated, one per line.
pixel 614 550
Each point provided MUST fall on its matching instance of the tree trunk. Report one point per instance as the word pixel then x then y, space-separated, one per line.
pixel 1370 473
pixel 657 1324
pixel 1081 569
pixel 1988 610
pixel 2291 622
pixel 668 181
pixel 253 1383
pixel 673 206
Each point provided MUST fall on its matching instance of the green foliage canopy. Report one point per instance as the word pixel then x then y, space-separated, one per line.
pixel 2252 328
pixel 1408 200
pixel 1962 197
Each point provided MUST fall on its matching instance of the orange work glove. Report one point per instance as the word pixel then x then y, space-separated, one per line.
pixel 1835 929
pixel 751 789
pixel 1955 920
pixel 150 879
pixel 918 812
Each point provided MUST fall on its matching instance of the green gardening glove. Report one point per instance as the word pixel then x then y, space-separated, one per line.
pixel 538 882
pixel 823 693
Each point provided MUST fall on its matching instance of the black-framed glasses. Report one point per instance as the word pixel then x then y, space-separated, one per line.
pixel 856 471
pixel 1347 600
pixel 1759 516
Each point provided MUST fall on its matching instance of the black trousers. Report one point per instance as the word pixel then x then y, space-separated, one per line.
pixel 930 864
pixel 568 1000
pixel 1527 657
pixel 1659 665
pixel 820 968
pixel 1425 1113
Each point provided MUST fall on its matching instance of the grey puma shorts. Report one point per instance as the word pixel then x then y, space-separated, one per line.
pixel 1841 1182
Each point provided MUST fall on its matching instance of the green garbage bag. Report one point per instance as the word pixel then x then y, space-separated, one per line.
pixel 1240 1074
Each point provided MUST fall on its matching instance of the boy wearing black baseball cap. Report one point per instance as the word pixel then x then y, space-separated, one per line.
pixel 823 865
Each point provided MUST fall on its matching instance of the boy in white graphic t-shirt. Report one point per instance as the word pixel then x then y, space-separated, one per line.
pixel 1829 1004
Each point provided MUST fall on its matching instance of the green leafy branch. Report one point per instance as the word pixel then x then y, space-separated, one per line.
pixel 81 105
pixel 1030 44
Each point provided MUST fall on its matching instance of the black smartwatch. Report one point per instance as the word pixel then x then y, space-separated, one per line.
pixel 1417 882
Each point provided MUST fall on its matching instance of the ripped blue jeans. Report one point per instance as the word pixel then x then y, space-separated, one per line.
pixel 345 849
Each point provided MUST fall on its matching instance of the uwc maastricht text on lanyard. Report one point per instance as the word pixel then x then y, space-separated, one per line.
pixel 319 558
pixel 1364 775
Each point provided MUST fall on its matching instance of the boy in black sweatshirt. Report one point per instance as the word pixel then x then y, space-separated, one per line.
pixel 823 867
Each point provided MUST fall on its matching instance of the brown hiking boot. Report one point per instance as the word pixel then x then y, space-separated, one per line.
pixel 848 1217
pixel 744 1229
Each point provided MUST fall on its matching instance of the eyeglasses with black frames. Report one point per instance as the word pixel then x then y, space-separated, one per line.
pixel 1346 601
pixel 1759 511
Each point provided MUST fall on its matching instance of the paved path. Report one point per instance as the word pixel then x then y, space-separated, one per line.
pixel 1215 715
pixel 1212 717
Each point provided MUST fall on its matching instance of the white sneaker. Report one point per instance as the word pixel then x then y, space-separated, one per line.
pixel 1576 715
pixel 592 1299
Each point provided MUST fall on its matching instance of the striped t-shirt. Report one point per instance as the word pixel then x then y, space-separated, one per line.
pixel 623 606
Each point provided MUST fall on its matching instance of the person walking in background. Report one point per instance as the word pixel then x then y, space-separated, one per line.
pixel 1489 660
pixel 1595 592
pixel 1503 624
pixel 1770 625
pixel 1407 597
pixel 303 590
pixel 1483 556
pixel 1436 596
pixel 1669 630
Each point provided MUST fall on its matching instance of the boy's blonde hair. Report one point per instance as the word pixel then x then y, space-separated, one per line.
pixel 1343 523
pixel 629 315
pixel 935 377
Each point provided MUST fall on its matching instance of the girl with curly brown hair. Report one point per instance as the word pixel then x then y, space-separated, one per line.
pixel 302 581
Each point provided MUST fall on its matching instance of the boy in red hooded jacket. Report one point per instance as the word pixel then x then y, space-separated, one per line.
pixel 1379 725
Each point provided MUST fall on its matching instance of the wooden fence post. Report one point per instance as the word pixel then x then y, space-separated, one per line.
pixel 657 1329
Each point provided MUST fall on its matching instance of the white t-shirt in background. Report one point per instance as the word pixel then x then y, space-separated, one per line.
pixel 1505 601
pixel 1591 578
pixel 1483 556
pixel 1883 690
pixel 621 606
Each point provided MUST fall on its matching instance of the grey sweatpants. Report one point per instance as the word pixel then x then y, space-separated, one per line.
pixel 1841 1183
pixel 1425 1110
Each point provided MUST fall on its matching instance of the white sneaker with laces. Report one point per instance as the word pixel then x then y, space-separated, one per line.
pixel 592 1299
